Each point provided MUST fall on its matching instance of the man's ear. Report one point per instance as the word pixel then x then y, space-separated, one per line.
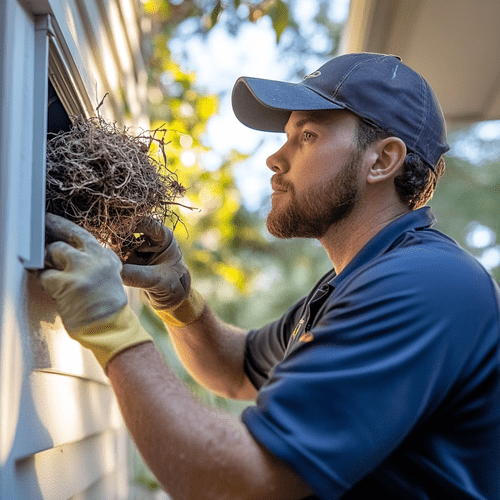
pixel 388 155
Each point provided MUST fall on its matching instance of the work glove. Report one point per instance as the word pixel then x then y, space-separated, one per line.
pixel 157 266
pixel 84 280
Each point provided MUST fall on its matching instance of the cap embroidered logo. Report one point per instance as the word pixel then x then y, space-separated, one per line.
pixel 313 75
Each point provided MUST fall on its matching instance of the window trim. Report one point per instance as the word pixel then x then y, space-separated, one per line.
pixel 54 62
pixel 43 32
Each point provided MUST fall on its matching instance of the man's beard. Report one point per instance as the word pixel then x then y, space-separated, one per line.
pixel 323 205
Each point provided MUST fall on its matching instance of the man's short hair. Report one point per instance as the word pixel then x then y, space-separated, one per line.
pixel 416 182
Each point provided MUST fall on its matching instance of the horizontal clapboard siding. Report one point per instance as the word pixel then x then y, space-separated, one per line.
pixel 68 470
pixel 65 409
pixel 51 347
pixel 62 433
pixel 110 487
pixel 105 36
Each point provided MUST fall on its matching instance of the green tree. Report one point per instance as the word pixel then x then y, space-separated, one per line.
pixel 467 199
pixel 225 245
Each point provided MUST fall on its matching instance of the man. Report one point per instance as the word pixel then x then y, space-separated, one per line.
pixel 382 382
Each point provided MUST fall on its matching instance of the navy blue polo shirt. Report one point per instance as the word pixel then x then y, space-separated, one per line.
pixel 385 380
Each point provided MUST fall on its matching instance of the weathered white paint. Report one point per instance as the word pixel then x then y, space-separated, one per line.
pixel 61 434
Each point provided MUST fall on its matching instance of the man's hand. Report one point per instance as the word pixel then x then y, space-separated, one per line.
pixel 157 267
pixel 84 280
pixel 82 276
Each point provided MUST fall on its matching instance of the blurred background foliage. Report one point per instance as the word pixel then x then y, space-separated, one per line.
pixel 247 276
pixel 234 261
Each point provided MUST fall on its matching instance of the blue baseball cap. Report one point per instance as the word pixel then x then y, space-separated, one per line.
pixel 378 88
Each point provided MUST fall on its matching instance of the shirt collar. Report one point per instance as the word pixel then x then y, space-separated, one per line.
pixel 417 219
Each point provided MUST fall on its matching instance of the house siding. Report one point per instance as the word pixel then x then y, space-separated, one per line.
pixel 61 432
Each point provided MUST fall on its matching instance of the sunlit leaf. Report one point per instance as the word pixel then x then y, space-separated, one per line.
pixel 214 16
pixel 232 274
pixel 279 16
pixel 207 106
pixel 151 6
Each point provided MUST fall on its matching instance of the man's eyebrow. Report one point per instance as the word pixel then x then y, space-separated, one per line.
pixel 307 119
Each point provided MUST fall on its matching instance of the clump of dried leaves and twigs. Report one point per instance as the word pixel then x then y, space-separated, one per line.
pixel 106 180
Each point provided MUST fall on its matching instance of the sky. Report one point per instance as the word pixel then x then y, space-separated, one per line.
pixel 219 60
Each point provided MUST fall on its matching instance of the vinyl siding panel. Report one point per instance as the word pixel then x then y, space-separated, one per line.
pixel 62 435
pixel 68 408
pixel 50 474
pixel 112 58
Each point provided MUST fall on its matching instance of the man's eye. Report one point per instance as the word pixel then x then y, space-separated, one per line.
pixel 307 136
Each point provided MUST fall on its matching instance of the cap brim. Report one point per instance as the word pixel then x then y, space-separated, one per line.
pixel 267 104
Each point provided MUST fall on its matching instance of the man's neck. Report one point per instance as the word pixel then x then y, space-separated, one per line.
pixel 344 240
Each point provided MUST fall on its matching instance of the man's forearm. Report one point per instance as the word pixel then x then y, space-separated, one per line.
pixel 195 452
pixel 213 353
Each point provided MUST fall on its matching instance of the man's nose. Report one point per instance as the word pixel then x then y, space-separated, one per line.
pixel 277 162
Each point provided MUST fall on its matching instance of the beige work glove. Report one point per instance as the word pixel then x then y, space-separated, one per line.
pixel 84 280
pixel 158 268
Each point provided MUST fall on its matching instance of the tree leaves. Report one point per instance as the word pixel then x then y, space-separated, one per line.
pixel 279 15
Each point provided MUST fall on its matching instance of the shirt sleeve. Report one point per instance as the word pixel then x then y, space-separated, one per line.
pixel 386 351
pixel 265 347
